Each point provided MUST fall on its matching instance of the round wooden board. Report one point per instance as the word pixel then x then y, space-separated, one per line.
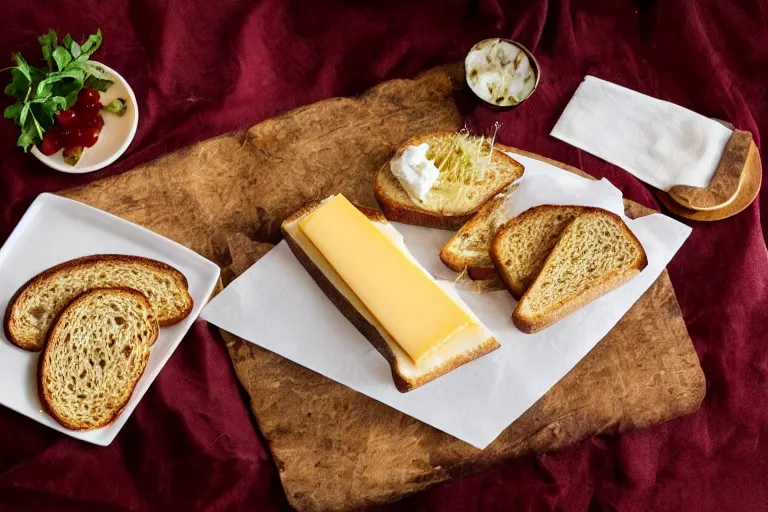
pixel 750 187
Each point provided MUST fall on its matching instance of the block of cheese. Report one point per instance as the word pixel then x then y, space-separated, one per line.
pixel 421 326
pixel 410 305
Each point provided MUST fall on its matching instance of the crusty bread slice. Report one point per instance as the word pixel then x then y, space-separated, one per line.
pixel 595 254
pixel 36 304
pixel 96 352
pixel 448 205
pixel 521 246
pixel 469 249
pixel 474 342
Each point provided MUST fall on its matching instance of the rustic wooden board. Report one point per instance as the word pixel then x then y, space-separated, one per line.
pixel 335 448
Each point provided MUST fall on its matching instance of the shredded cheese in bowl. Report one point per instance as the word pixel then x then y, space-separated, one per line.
pixel 500 72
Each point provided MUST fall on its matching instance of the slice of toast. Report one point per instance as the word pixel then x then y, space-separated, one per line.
pixel 474 342
pixel 521 246
pixel 595 254
pixel 449 204
pixel 36 305
pixel 96 352
pixel 470 248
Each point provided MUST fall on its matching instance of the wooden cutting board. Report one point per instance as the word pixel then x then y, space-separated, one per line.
pixel 335 448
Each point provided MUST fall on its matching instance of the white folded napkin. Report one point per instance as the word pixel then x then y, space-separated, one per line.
pixel 660 143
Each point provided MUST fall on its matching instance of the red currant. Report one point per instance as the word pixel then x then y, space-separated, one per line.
pixel 66 117
pixel 49 145
pixel 89 136
pixel 86 112
pixel 88 96
pixel 96 121
pixel 70 138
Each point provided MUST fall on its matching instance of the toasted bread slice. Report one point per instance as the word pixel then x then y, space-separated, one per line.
pixel 595 254
pixel 35 305
pixel 521 246
pixel 472 344
pixel 449 204
pixel 469 249
pixel 96 352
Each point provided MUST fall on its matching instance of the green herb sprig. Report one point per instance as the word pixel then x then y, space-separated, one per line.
pixel 41 92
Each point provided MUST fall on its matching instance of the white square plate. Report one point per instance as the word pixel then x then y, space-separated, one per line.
pixel 54 230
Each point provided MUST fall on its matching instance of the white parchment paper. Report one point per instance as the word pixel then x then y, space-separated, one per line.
pixel 277 305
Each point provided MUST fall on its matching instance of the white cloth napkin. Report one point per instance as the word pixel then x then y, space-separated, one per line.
pixel 278 306
pixel 660 143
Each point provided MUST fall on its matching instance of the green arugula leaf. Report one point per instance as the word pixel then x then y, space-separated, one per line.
pixel 38 128
pixel 45 87
pixel 82 65
pixel 27 137
pixel 47 56
pixel 42 99
pixel 67 42
pixel 37 74
pixel 49 39
pixel 92 44
pixel 13 111
pixel 62 57
pixel 75 49
pixel 65 88
pixel 24 114
pixel 44 90
pixel 71 100
pixel 98 83
pixel 82 60
pixel 48 43
pixel 22 66
pixel 95 70
pixel 53 105
pixel 117 107
pixel 68 90
pixel 19 85
pixel 74 73
pixel 42 117
pixel 31 131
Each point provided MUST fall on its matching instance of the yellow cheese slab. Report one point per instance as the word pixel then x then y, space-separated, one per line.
pixel 409 304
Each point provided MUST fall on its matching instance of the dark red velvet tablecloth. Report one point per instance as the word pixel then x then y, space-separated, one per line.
pixel 202 68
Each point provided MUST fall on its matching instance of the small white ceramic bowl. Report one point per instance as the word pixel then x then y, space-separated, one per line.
pixel 115 137
pixel 534 65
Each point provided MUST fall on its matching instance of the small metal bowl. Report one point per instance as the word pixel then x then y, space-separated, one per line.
pixel 534 66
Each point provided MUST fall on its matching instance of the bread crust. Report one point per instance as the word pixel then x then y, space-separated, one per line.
pixel 367 329
pixel 82 262
pixel 531 326
pixel 42 367
pixel 411 213
pixel 481 273
pixel 539 322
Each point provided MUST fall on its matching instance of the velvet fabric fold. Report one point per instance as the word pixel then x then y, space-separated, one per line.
pixel 200 69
